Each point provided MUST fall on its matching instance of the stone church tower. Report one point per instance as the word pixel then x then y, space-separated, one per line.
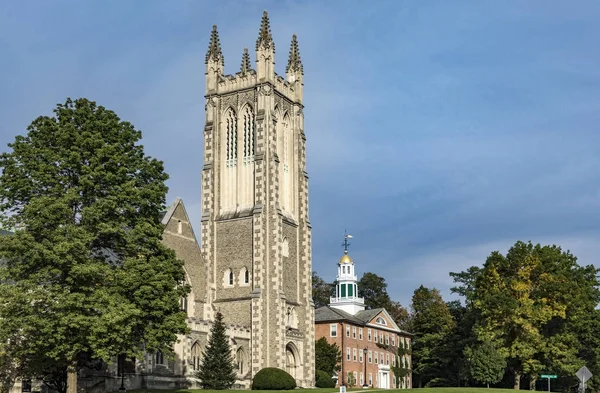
pixel 256 236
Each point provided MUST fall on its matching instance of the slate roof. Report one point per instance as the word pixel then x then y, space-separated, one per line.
pixel 329 314
pixel 367 315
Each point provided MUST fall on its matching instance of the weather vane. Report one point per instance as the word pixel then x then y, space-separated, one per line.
pixel 346 243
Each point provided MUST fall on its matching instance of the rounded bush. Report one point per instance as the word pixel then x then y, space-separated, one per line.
pixel 324 380
pixel 272 378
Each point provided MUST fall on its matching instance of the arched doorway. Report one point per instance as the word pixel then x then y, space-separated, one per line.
pixel 290 360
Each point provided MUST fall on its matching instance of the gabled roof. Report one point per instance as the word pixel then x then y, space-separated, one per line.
pixel 362 318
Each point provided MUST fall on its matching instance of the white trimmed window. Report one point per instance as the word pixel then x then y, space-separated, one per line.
pixel 360 333
pixel 347 353
pixel 347 331
pixel 370 356
pixel 387 339
pixel 369 334
pixel 354 354
pixel 393 340
pixel 360 356
pixel 353 331
pixel 333 330
pixel 376 357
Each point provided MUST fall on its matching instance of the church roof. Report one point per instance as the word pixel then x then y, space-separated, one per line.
pixel 367 315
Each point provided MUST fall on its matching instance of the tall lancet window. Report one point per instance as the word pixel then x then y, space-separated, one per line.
pixel 231 135
pixel 248 124
pixel 229 154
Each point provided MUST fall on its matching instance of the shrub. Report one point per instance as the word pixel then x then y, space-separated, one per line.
pixel 324 380
pixel 272 378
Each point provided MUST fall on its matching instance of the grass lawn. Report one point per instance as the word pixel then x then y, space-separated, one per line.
pixel 423 390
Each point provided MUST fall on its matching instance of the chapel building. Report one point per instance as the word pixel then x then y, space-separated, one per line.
pixel 253 261
pixel 373 347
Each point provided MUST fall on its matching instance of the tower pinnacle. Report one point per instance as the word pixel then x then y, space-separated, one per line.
pixel 294 62
pixel 265 39
pixel 214 52
pixel 346 243
pixel 245 67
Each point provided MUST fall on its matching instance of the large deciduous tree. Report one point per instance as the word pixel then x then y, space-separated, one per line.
pixel 373 289
pixel 431 324
pixel 85 273
pixel 486 363
pixel 321 290
pixel 534 305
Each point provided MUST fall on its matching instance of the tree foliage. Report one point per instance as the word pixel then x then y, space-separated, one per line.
pixel 431 324
pixel 328 357
pixel 486 363
pixel 537 306
pixel 321 290
pixel 217 369
pixel 373 289
pixel 88 274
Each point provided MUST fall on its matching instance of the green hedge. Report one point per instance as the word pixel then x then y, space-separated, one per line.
pixel 324 380
pixel 271 378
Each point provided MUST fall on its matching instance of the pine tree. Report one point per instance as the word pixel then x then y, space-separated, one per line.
pixel 217 370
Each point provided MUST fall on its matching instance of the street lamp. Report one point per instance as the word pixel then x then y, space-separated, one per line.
pixel 365 386
pixel 122 358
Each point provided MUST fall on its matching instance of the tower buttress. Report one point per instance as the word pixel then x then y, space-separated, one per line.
pixel 294 71
pixel 214 62
pixel 265 52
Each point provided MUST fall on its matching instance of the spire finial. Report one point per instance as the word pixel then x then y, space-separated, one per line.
pixel 346 243
pixel 214 47
pixel 294 62
pixel 265 39
pixel 245 62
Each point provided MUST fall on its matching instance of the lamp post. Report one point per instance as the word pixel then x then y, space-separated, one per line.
pixel 122 358
pixel 365 386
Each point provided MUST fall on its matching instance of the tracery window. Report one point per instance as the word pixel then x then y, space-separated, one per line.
pixel 231 135
pixel 248 124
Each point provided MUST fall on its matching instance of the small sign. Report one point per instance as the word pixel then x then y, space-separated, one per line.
pixel 548 376
pixel 584 374
pixel 343 389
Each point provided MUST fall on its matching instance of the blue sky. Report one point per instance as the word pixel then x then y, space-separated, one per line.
pixel 438 131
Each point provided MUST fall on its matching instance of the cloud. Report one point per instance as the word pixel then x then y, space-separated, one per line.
pixel 436 132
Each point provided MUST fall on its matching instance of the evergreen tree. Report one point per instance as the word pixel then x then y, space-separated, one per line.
pixel 328 357
pixel 217 369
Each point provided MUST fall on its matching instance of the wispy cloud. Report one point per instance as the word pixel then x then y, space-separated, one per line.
pixel 437 132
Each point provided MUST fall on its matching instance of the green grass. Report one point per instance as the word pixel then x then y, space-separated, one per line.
pixel 423 390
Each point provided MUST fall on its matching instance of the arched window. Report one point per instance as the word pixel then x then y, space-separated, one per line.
pixel 285 247
pixel 380 321
pixel 248 124
pixel 244 277
pixel 240 359
pixel 196 353
pixel 231 137
pixel 228 278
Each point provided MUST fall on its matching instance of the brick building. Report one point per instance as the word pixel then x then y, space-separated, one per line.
pixel 373 347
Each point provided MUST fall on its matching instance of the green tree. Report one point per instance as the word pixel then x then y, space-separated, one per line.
pixel 373 289
pixel 321 290
pixel 328 357
pixel 88 275
pixel 399 314
pixel 431 324
pixel 217 370
pixel 528 308
pixel 486 363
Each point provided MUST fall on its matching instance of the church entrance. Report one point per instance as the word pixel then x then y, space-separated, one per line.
pixel 290 360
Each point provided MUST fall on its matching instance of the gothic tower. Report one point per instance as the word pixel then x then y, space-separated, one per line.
pixel 256 236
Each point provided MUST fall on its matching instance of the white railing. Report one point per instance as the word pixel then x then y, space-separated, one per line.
pixel 351 299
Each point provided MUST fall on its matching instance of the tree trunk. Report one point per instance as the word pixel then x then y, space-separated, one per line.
pixel 71 380
pixel 517 384
pixel 488 385
pixel 532 381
